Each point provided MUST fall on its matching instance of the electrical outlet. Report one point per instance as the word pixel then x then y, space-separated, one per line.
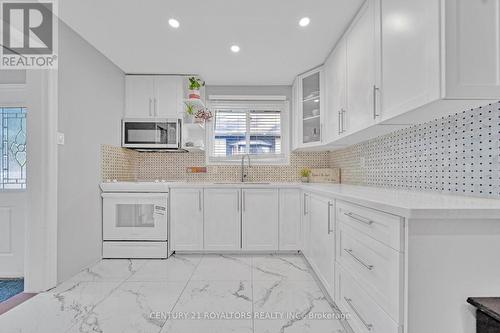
pixel 60 138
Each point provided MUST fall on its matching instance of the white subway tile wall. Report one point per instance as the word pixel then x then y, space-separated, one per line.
pixel 458 154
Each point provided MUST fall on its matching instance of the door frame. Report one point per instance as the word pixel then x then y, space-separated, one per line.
pixel 40 265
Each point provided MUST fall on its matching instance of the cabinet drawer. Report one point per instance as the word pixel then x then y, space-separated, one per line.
pixel 377 267
pixel 384 227
pixel 365 316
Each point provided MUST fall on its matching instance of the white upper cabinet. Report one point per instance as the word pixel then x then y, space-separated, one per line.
pixel 363 55
pixel 472 48
pixel 222 227
pixel 310 101
pixel 335 92
pixel 438 57
pixel 153 96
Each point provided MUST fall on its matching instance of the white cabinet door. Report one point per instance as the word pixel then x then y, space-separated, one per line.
pixel 167 101
pixel 222 219
pixel 362 48
pixel 322 235
pixel 289 216
pixel 473 49
pixel 410 55
pixel 260 219
pixel 139 95
pixel 335 91
pixel 310 104
pixel 186 219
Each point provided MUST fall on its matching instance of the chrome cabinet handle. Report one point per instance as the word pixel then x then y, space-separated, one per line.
pixel 238 201
pixel 243 201
pixel 330 204
pixel 340 123
pixel 150 101
pixel 351 305
pixel 199 201
pixel 375 89
pixel 359 218
pixel 344 122
pixel 155 105
pixel 364 264
pixel 305 203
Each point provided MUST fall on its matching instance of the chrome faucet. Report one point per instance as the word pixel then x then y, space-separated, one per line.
pixel 244 175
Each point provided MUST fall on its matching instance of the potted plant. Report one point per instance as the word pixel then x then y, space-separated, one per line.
pixel 304 175
pixel 190 112
pixel 194 87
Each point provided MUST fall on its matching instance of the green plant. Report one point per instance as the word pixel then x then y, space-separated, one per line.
pixel 305 172
pixel 190 108
pixel 195 83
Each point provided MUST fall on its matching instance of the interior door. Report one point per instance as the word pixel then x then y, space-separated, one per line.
pixel 362 49
pixel 222 226
pixel 168 96
pixel 260 219
pixel 186 219
pixel 322 252
pixel 12 231
pixel 139 90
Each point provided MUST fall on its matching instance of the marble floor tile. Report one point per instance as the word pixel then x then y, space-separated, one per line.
pixel 272 267
pixel 223 268
pixel 175 268
pixel 183 294
pixel 133 307
pixel 110 270
pixel 56 310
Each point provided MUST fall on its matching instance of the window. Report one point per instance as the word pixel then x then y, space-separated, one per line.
pixel 255 128
pixel 13 148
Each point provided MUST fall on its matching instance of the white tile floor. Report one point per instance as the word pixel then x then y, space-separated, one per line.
pixel 183 294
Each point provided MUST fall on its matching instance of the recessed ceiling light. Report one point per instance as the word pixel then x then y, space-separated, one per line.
pixel 174 23
pixel 235 48
pixel 304 22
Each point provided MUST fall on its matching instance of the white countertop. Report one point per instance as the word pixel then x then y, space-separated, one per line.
pixel 410 204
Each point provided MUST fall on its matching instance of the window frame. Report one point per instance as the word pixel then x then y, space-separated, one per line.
pixel 251 105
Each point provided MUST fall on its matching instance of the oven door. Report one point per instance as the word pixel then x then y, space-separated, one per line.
pixel 148 134
pixel 135 216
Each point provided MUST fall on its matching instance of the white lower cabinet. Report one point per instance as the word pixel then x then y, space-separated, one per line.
pixel 322 240
pixel 289 220
pixel 186 219
pixel 260 219
pixel 222 227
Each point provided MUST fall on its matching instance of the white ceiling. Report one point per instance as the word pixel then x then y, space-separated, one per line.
pixel 136 36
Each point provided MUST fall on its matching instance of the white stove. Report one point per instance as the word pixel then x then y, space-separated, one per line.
pixel 135 219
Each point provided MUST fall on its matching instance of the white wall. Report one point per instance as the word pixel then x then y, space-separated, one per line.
pixel 91 102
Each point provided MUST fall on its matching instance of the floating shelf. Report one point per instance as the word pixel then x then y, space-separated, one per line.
pixel 312 117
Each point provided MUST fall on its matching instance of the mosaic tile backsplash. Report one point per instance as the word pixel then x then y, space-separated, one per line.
pixel 123 164
pixel 458 154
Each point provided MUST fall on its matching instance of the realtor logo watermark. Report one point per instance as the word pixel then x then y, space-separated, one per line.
pixel 28 34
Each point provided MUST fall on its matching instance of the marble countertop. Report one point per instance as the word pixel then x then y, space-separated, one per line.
pixel 409 204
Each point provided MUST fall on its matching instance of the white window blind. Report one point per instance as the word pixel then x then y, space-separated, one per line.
pixel 242 128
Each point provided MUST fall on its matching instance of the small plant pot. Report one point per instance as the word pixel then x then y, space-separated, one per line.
pixel 194 94
pixel 304 179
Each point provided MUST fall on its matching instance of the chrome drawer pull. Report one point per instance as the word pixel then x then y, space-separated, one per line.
pixel 368 267
pixel 359 218
pixel 349 302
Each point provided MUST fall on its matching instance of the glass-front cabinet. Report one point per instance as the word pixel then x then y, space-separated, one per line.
pixel 309 102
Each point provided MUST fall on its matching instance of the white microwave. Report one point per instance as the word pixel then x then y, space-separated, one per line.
pixel 151 133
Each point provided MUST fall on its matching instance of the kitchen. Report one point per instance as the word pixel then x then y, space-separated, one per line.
pixel 331 167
